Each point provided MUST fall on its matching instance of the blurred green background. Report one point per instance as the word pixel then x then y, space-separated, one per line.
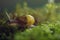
pixel 10 4
pixel 47 13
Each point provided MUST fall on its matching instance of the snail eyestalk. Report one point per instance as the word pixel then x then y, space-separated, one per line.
pixel 8 16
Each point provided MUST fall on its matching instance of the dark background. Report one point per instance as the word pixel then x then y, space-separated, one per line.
pixel 10 4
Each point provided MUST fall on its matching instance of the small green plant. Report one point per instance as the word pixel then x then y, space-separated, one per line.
pixel 50 31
